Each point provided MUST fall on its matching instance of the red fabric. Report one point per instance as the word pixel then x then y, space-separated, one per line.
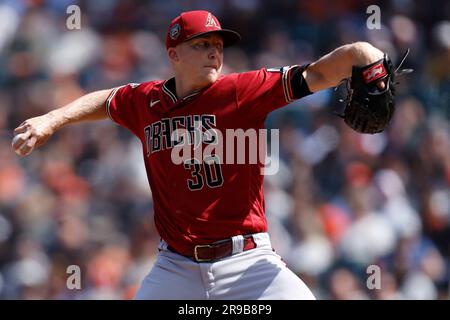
pixel 185 217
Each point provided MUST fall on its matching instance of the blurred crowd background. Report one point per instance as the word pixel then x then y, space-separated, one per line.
pixel 340 203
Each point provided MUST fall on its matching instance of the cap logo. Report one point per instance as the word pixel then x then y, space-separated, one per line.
pixel 175 31
pixel 210 22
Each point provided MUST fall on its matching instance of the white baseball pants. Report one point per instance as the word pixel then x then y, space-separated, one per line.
pixel 255 274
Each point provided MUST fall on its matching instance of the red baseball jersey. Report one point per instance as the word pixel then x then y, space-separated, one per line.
pixel 199 203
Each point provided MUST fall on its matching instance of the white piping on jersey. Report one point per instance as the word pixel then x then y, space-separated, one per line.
pixel 168 92
pixel 108 102
pixel 192 94
pixel 286 83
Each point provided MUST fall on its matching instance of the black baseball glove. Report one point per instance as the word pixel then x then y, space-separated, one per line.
pixel 369 109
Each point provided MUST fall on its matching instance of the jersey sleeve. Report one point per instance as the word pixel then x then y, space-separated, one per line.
pixel 262 91
pixel 125 104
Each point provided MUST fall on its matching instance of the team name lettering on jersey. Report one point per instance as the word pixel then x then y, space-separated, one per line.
pixel 162 134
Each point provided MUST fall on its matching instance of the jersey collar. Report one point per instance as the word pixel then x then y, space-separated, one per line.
pixel 169 89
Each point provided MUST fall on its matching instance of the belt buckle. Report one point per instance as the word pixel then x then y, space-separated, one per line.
pixel 196 253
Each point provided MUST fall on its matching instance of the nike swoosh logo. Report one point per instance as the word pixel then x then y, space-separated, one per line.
pixel 152 103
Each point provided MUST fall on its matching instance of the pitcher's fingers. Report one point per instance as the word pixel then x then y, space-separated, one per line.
pixel 381 85
pixel 27 147
pixel 31 142
pixel 20 129
pixel 25 136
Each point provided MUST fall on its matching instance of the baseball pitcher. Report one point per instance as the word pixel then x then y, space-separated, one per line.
pixel 210 212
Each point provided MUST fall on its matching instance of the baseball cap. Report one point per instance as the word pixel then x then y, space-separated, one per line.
pixel 192 24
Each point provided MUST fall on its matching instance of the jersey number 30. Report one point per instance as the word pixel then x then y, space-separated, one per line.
pixel 209 171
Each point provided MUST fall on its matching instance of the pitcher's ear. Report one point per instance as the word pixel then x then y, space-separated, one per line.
pixel 172 53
